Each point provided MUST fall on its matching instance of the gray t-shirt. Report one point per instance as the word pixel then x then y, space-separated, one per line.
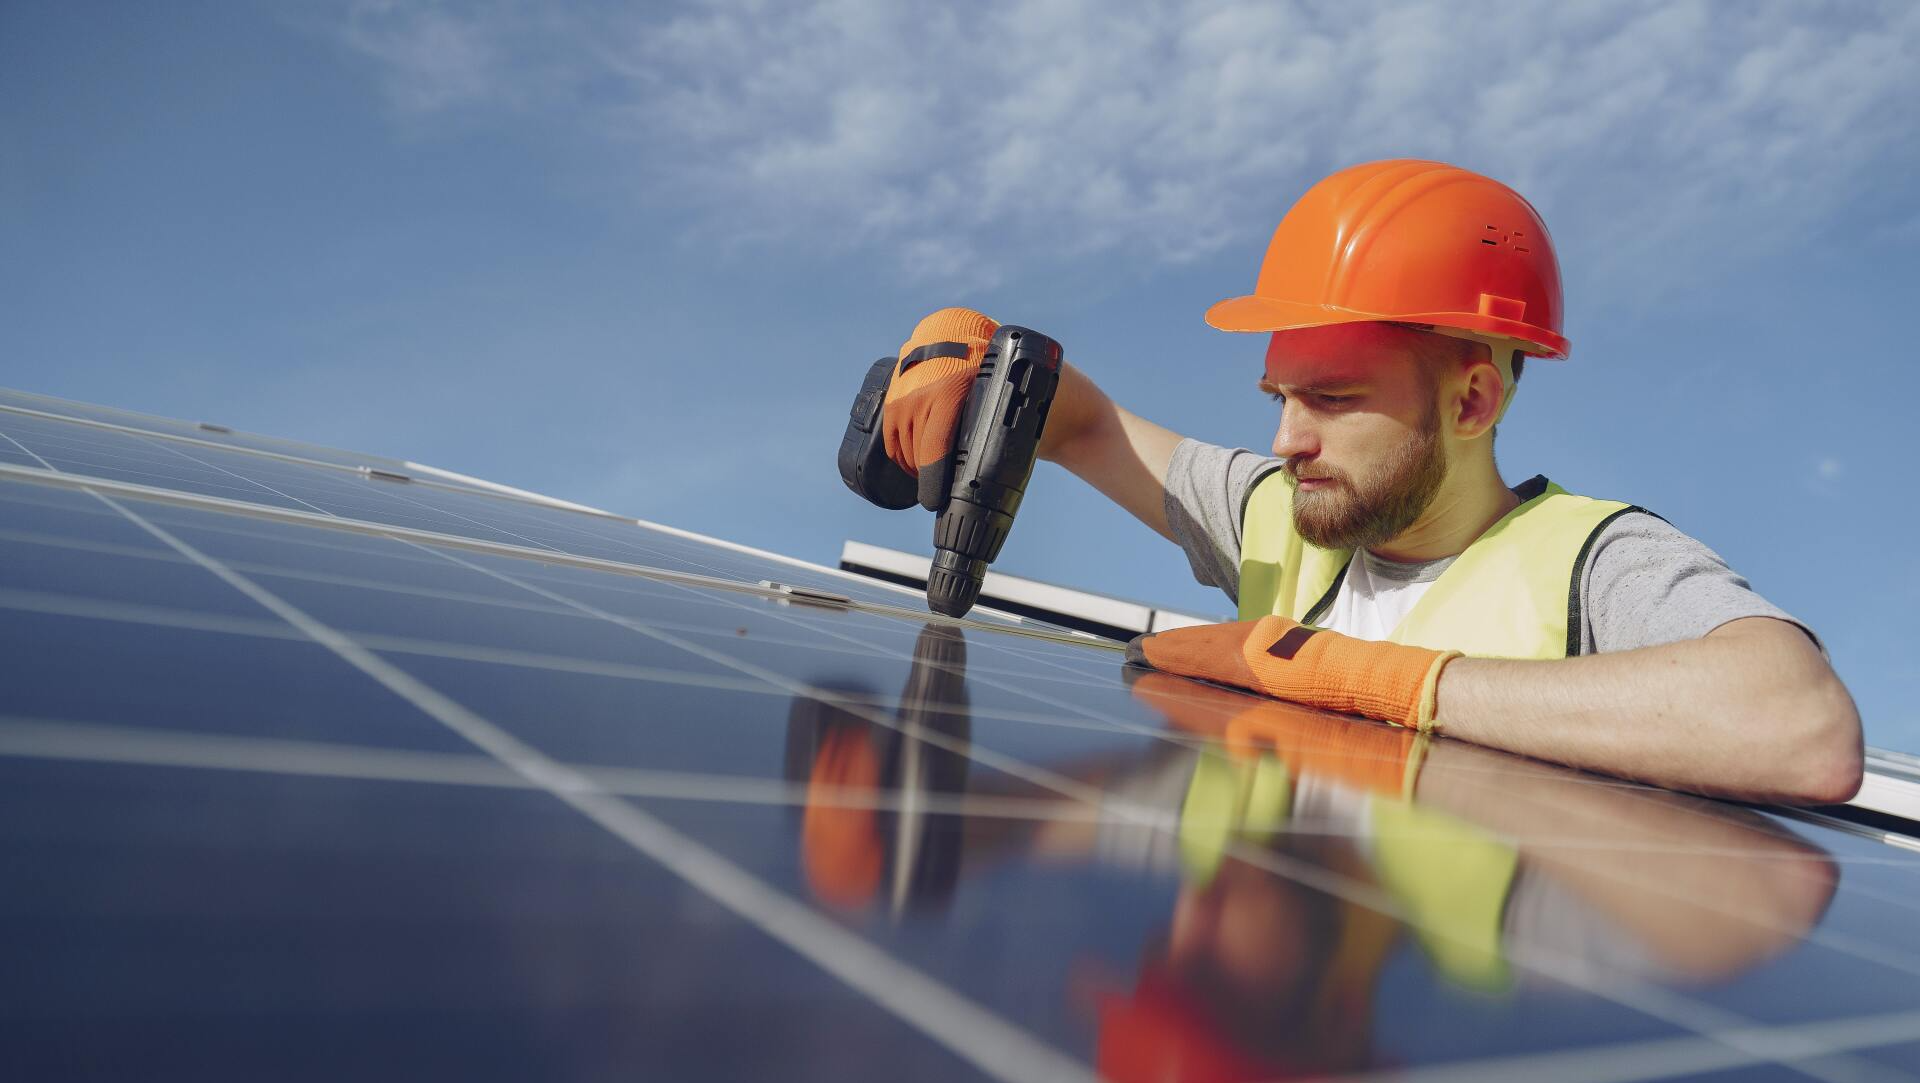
pixel 1646 583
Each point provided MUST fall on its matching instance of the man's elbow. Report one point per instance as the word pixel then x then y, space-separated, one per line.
pixel 1822 761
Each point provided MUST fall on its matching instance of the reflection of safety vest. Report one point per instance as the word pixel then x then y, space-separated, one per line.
pixel 1450 878
pixel 1514 593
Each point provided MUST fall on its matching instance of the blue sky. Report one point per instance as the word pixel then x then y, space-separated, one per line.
pixel 639 257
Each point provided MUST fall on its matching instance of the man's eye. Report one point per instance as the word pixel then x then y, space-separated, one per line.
pixel 1335 400
pixel 1276 396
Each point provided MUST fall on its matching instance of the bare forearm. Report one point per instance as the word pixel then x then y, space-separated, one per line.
pixel 1751 711
pixel 1117 452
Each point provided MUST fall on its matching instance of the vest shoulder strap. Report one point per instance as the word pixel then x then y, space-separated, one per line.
pixel 1279 572
pixel 1515 592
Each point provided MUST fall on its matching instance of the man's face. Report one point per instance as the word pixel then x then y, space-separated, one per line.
pixel 1359 431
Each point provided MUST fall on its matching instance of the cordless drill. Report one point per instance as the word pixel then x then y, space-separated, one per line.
pixel 994 447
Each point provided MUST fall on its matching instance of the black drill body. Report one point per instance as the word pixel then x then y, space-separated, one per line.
pixel 995 445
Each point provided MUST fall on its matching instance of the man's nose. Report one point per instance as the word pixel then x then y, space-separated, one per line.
pixel 1296 435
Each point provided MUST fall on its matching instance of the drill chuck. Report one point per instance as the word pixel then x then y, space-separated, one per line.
pixel 953 583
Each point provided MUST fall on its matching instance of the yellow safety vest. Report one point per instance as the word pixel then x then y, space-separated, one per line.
pixel 1514 593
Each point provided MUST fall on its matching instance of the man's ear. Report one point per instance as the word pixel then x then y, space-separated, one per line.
pixel 1479 399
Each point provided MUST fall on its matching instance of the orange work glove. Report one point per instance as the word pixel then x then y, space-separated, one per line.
pixel 1298 662
pixel 930 385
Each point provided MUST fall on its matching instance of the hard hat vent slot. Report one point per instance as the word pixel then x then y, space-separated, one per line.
pixel 1511 238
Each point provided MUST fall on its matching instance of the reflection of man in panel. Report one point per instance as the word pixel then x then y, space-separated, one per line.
pixel 1494 870
pixel 1381 564
pixel 1310 852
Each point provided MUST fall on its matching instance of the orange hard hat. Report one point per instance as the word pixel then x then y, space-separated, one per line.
pixel 1414 242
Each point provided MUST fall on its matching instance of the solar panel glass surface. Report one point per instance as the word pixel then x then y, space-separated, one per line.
pixel 309 774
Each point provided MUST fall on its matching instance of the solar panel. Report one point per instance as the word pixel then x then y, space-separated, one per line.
pixel 322 766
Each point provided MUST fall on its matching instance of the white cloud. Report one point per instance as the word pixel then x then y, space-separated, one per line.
pixel 1650 132
pixel 1830 469
pixel 430 60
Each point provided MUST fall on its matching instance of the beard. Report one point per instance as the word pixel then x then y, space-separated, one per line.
pixel 1372 510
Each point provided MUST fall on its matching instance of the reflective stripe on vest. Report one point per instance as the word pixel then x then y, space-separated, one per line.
pixel 1514 593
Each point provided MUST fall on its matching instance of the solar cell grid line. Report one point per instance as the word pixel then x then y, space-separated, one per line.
pixel 403 645
pixel 32 738
pixel 174 475
pixel 817 636
pixel 1072 709
pixel 70 408
pixel 994 1045
pixel 277 571
pixel 383 493
pixel 342 523
pixel 1002 714
pixel 76 414
pixel 1838 1068
pixel 556 529
pixel 22 736
pixel 501 498
pixel 472 486
pixel 27 601
pixel 120 462
pixel 258 456
pixel 1666 1058
pixel 415 646
pixel 253 481
pixel 1082 711
pixel 1026 772
pixel 629 537
pixel 578 524
pixel 1625 1062
pixel 296 498
pixel 1652 1000
pixel 26 451
pixel 732 644
pixel 160 617
pixel 625 540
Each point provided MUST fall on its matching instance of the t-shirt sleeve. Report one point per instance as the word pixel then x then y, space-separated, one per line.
pixel 1207 489
pixel 1647 583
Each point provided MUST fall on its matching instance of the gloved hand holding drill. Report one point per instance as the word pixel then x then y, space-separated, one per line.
pixel 929 390
pixel 954 422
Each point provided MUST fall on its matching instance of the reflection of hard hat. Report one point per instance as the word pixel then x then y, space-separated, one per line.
pixel 1409 242
pixel 1160 1034
pixel 1168 1031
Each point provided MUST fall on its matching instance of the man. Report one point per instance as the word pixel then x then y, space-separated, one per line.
pixel 1381 564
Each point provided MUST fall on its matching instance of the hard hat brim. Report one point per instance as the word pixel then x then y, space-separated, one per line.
pixel 1254 313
